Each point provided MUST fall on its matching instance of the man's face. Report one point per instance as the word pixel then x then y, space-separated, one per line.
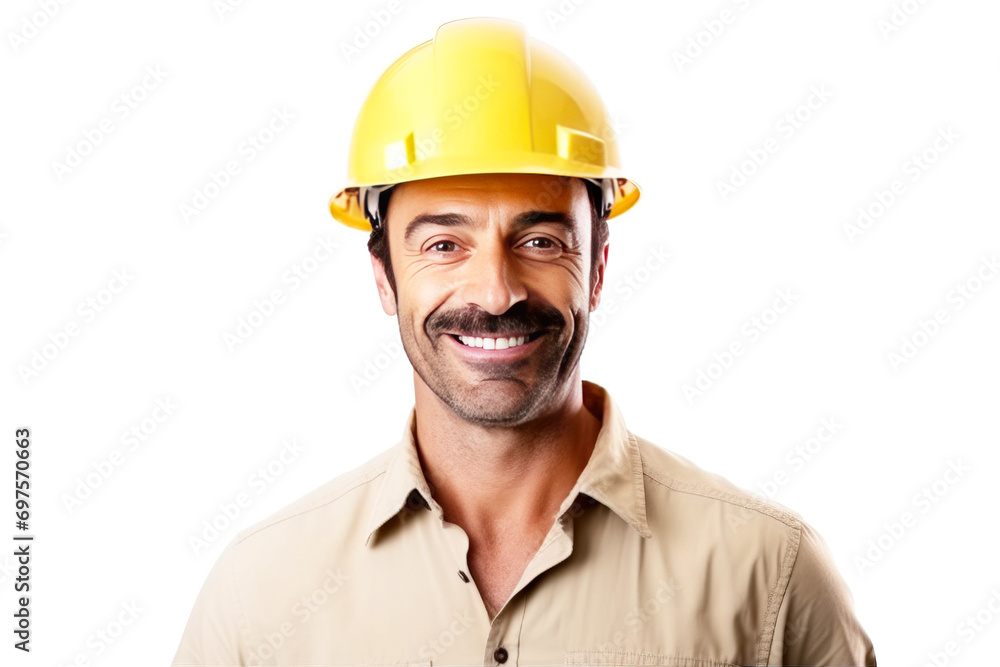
pixel 494 290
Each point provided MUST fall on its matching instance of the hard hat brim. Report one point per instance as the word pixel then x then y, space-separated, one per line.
pixel 346 207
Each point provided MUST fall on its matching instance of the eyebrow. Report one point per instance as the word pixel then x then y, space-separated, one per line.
pixel 521 221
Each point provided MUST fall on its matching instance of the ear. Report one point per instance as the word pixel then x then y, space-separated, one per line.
pixel 385 293
pixel 595 292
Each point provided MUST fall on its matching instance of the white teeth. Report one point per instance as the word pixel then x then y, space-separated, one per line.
pixel 493 343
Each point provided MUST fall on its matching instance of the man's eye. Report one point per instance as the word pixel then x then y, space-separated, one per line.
pixel 541 243
pixel 538 243
pixel 443 246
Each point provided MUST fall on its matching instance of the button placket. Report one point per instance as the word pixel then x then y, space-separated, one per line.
pixel 505 635
pixel 498 643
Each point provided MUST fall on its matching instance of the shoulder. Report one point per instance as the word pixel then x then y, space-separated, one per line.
pixel 810 611
pixel 249 586
pixel 670 474
pixel 810 616
pixel 325 506
pixel 720 524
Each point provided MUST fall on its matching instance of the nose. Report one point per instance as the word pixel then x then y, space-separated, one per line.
pixel 492 279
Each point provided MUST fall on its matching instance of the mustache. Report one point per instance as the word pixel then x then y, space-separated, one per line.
pixel 522 317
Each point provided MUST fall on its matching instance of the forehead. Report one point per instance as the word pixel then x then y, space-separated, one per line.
pixel 478 195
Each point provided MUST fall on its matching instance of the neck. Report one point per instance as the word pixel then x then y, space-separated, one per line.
pixel 492 480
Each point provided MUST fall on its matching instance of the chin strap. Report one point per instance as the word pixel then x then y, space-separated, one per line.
pixel 371 199
pixel 607 188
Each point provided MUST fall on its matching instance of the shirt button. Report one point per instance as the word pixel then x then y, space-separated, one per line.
pixel 500 655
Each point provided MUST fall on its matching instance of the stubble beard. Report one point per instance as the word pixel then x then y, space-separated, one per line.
pixel 496 393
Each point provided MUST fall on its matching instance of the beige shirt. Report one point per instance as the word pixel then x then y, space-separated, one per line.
pixel 650 560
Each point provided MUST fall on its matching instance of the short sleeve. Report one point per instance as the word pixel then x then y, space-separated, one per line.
pixel 816 624
pixel 212 634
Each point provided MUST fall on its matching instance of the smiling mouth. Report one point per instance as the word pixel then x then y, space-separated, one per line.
pixel 496 342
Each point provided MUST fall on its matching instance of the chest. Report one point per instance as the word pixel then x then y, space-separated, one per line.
pixel 497 569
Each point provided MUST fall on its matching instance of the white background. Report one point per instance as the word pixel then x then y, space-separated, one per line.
pixel 682 127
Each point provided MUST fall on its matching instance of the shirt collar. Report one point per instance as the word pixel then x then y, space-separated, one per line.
pixel 613 476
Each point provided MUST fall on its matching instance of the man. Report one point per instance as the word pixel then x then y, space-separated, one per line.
pixel 517 521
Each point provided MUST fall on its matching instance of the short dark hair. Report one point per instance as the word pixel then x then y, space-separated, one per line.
pixel 378 242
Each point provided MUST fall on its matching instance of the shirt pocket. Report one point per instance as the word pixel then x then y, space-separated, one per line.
pixel 632 658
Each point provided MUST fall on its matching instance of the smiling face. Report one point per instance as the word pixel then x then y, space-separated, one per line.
pixel 494 289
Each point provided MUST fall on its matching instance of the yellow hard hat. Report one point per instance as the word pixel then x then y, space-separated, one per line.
pixel 481 97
